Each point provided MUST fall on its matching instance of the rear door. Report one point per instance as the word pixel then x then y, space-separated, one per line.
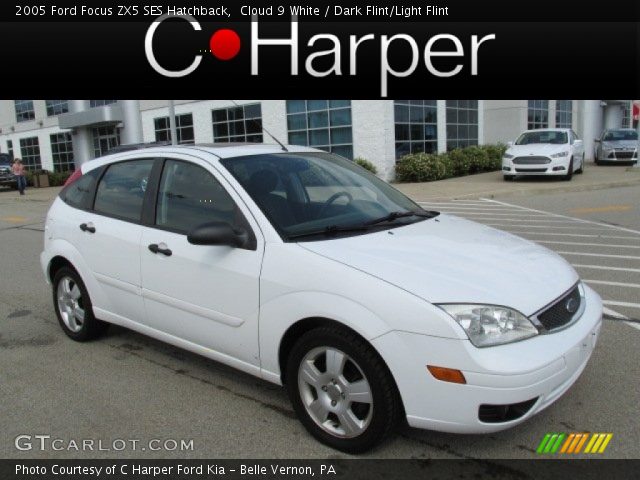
pixel 108 237
pixel 205 295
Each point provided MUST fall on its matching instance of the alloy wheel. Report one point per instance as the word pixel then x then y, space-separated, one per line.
pixel 335 392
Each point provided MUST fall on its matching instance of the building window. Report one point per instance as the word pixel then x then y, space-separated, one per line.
pixel 416 126
pixel 24 110
pixel 100 103
pixel 538 114
pixel 56 107
pixel 62 152
pixel 104 139
pixel 237 124
pixel 324 124
pixel 184 128
pixel 626 114
pixel 30 150
pixel 564 114
pixel 10 148
pixel 462 123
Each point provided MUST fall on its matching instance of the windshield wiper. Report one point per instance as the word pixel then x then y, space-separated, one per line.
pixel 396 215
pixel 330 230
pixel 363 227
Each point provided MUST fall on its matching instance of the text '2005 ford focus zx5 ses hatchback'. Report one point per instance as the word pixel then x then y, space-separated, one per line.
pixel 301 268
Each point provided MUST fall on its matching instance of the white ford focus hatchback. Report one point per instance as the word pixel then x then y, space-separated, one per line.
pixel 301 268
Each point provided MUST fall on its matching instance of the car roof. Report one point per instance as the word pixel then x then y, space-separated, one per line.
pixel 219 150
pixel 548 130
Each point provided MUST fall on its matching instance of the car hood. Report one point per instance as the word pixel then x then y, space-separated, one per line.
pixel 621 143
pixel 536 149
pixel 452 260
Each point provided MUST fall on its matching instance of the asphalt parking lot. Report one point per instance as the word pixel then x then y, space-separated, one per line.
pixel 127 386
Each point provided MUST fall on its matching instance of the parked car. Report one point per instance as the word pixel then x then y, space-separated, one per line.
pixel 304 269
pixel 617 145
pixel 7 179
pixel 549 152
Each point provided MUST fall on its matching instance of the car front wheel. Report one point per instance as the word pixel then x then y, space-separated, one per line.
pixel 341 389
pixel 73 307
pixel 569 174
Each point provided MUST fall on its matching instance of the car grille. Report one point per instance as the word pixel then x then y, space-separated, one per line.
pixel 620 154
pixel 531 170
pixel 532 160
pixel 557 314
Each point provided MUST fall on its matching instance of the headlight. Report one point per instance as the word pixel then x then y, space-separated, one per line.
pixel 507 156
pixel 488 325
pixel 560 154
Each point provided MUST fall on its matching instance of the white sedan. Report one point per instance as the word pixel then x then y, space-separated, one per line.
pixel 549 152
pixel 304 269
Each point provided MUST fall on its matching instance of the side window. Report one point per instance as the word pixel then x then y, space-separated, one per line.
pixel 121 189
pixel 190 196
pixel 80 193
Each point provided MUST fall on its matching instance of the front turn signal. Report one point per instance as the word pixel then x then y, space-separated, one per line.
pixel 447 374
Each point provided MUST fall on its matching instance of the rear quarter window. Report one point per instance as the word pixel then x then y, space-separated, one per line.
pixel 80 193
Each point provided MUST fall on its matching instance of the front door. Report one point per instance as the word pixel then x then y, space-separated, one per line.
pixel 205 295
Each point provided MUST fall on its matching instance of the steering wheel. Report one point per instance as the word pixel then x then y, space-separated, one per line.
pixel 332 199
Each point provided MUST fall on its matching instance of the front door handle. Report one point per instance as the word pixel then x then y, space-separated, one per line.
pixel 88 227
pixel 155 248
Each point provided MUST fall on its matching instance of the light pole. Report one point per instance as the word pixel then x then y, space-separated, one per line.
pixel 172 123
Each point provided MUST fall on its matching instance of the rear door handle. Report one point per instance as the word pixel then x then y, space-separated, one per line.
pixel 155 248
pixel 88 227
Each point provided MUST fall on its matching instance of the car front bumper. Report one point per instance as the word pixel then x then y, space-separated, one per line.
pixel 555 167
pixel 538 370
pixel 618 156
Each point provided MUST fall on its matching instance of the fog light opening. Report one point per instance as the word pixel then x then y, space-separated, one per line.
pixel 447 374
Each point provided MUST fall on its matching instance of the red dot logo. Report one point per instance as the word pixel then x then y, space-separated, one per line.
pixel 224 44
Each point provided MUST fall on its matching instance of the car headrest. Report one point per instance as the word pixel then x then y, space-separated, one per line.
pixel 263 182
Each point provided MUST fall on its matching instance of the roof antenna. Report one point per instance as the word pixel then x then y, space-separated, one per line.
pixel 284 149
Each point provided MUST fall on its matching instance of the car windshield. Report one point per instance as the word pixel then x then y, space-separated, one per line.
pixel 542 136
pixel 620 135
pixel 311 195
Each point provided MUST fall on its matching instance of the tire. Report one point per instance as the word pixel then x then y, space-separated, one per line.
pixel 313 390
pixel 508 178
pixel 581 169
pixel 73 307
pixel 569 174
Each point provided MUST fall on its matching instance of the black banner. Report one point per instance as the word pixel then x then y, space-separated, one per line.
pixel 318 59
pixel 324 469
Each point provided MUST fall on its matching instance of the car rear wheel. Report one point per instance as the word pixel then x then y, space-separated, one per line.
pixel 73 307
pixel 341 390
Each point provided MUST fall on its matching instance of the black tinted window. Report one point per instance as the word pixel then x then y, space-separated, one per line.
pixel 80 193
pixel 190 196
pixel 121 189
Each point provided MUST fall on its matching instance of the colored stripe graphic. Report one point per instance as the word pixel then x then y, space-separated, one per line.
pixel 573 443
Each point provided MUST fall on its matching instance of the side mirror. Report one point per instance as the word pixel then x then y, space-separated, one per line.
pixel 597 140
pixel 218 233
pixel 509 144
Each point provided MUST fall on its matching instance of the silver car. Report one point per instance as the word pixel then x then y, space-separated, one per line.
pixel 617 145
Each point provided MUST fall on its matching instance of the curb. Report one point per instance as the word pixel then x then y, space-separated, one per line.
pixel 535 191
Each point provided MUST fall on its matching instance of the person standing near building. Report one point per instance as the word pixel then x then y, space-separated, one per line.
pixel 18 170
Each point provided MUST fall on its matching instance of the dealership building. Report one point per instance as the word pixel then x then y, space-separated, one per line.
pixel 57 135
